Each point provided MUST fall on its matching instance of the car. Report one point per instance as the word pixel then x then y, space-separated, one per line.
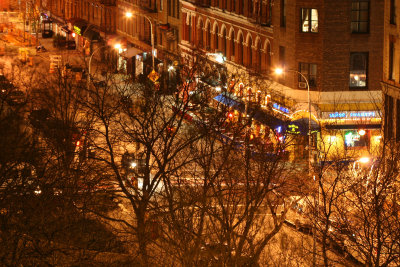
pixel 16 97
pixel 39 117
pixel 5 84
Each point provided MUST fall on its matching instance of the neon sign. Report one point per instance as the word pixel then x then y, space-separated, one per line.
pixel 77 30
pixel 281 108
pixel 293 129
pixel 363 114
pixel 353 114
pixel 337 115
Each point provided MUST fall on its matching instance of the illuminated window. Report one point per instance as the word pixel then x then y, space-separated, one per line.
pixel 353 139
pixel 309 20
pixel 358 70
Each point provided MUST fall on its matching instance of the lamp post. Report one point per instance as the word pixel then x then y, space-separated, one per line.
pixel 117 46
pixel 129 15
pixel 279 71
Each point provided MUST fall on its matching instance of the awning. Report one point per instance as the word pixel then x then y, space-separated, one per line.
pixel 268 119
pixel 65 29
pixel 79 26
pixel 227 101
pixel 91 35
pixel 259 115
pixel 131 52
pixel 300 126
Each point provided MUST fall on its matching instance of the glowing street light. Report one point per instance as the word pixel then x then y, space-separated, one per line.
pixel 116 46
pixel 129 15
pixel 280 71
pixel 364 160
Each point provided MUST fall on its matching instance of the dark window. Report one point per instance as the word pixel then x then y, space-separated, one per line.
pixel 282 56
pixel 233 45
pixel 309 70
pixel 283 13
pixel 358 70
pixel 173 8
pixel 397 120
pixel 208 37
pixel 216 37
pixel 224 42
pixel 393 12
pixel 388 117
pixel 360 16
pixel 391 60
pixel 309 20
pixel 190 29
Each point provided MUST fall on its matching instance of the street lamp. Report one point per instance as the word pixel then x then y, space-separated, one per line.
pixel 129 15
pixel 280 71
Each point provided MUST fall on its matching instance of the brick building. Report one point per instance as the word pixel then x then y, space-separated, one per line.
pixel 164 17
pixel 391 71
pixel 340 54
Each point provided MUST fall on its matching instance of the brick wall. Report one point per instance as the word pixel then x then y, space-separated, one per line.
pixel 330 48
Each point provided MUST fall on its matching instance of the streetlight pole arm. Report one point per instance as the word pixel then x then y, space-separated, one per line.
pixel 309 158
pixel 90 64
pixel 151 36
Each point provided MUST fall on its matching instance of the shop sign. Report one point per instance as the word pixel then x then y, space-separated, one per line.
pixel 153 76
pixel 351 114
pixel 293 129
pixel 77 30
pixel 281 108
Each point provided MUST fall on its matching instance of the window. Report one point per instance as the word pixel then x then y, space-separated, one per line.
pixel 283 13
pixel 208 37
pixel 388 117
pixel 190 29
pixel 397 120
pixel 393 12
pixel 223 44
pixel 282 56
pixel 173 8
pixel 358 69
pixel 353 139
pixel 391 60
pixel 360 16
pixel 309 70
pixel 216 37
pixel 309 20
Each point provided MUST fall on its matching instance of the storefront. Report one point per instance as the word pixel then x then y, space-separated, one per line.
pixel 353 133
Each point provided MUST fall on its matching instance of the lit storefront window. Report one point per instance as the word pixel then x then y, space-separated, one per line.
pixel 354 138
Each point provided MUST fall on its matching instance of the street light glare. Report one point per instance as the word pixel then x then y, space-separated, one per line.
pixel 364 160
pixel 278 71
pixel 128 14
pixel 133 164
pixel 219 58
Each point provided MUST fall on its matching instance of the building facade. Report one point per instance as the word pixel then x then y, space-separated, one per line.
pixel 339 54
pixel 391 71
pixel 156 21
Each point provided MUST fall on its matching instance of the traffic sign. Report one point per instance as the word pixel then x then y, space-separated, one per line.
pixel 153 76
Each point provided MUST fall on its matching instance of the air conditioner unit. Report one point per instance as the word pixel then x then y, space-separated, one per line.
pixel 302 85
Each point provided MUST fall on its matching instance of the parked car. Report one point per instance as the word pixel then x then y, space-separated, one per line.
pixel 16 97
pixel 5 84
